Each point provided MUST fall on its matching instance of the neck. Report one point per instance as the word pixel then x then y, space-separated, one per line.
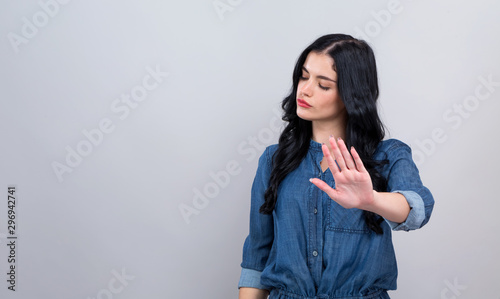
pixel 321 131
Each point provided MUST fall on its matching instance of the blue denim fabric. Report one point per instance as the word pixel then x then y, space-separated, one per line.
pixel 311 247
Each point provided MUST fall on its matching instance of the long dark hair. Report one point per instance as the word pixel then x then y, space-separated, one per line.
pixel 354 63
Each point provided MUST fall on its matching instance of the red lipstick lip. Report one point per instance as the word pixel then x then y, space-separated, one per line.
pixel 303 103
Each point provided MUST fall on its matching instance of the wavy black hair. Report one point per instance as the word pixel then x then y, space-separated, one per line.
pixel 354 63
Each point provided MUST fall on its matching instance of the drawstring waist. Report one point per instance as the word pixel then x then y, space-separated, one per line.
pixel 283 294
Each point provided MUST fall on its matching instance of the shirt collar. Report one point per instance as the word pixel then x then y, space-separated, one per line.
pixel 316 146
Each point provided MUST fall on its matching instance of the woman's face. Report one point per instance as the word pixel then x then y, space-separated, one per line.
pixel 318 98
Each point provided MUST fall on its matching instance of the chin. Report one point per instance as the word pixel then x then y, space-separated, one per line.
pixel 303 116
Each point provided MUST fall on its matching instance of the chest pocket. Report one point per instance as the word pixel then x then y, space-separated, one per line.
pixel 345 220
pixel 339 218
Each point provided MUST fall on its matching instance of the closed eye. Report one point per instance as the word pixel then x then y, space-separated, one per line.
pixel 323 87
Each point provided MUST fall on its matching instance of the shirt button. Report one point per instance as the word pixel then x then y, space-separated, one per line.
pixel 315 253
pixel 315 211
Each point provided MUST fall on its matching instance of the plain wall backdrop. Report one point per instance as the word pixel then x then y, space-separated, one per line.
pixel 132 130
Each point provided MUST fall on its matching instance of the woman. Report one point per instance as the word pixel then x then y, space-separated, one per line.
pixel 325 199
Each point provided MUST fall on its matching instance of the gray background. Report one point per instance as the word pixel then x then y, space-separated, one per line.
pixel 118 210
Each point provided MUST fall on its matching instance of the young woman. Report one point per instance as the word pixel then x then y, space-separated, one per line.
pixel 325 199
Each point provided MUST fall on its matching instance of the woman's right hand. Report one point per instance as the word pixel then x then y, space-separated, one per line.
pixel 253 293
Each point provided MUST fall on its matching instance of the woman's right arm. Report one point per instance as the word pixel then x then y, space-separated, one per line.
pixel 253 293
pixel 260 239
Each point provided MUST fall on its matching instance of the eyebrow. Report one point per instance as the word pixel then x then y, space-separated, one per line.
pixel 320 76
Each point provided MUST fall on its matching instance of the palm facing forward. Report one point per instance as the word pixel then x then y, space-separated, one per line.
pixel 353 185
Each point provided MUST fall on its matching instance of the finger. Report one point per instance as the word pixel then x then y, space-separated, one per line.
pixel 324 186
pixel 347 156
pixel 334 168
pixel 337 153
pixel 357 159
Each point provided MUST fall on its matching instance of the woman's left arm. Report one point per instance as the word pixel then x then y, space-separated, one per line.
pixel 403 206
pixel 392 206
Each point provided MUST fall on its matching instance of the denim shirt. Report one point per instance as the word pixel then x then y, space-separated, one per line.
pixel 311 247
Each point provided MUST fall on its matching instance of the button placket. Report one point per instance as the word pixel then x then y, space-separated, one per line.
pixel 319 176
pixel 314 257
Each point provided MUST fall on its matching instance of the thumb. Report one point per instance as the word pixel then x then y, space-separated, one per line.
pixel 324 187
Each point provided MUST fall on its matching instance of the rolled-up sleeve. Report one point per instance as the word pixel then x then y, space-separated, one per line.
pixel 261 235
pixel 403 177
pixel 250 278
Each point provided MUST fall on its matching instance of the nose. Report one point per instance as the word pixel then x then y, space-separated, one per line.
pixel 305 88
